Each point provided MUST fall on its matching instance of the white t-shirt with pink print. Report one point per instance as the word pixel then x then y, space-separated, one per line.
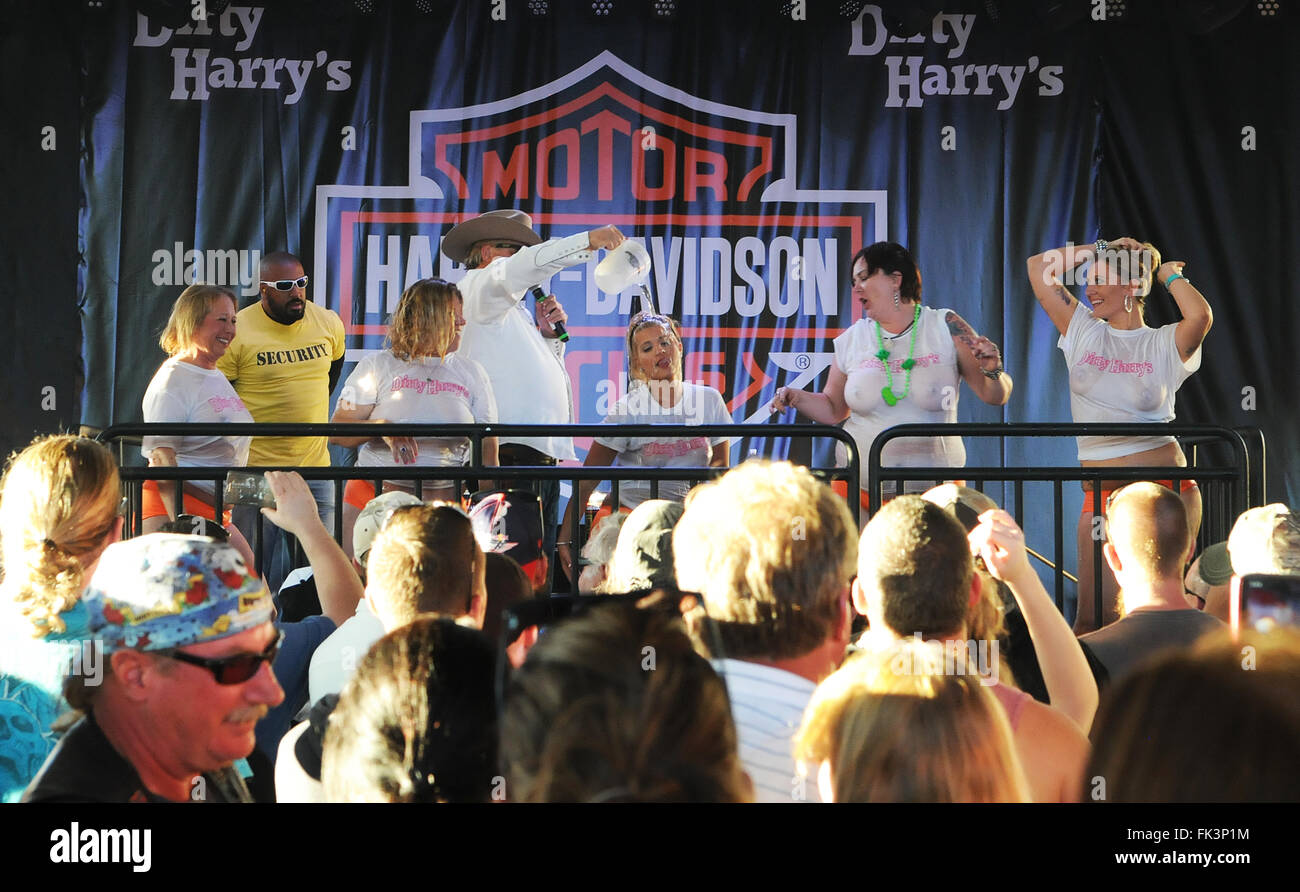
pixel 1121 376
pixel 698 405
pixel 429 390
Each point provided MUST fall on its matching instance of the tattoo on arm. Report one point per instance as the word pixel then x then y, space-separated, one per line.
pixel 960 330
pixel 1064 294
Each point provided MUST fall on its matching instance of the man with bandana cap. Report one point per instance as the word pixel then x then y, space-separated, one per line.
pixel 187 639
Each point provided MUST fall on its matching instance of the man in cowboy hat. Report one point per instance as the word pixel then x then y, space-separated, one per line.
pixel 520 351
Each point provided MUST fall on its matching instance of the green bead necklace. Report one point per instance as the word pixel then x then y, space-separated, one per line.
pixel 883 355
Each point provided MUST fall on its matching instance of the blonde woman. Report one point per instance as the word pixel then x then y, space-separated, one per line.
pixel 418 379
pixel 1121 370
pixel 656 395
pixel 58 511
pixel 188 388
pixel 912 723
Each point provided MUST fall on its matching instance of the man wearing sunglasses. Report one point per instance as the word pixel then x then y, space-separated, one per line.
pixel 188 642
pixel 521 351
pixel 284 363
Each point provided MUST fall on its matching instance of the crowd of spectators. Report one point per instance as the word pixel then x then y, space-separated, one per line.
pixel 751 646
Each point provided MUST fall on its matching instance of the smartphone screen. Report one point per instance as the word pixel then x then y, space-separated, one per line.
pixel 1265 602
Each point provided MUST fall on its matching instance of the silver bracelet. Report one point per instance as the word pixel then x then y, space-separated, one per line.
pixel 993 374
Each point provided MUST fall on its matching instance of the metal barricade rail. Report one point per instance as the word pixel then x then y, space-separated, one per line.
pixel 135 475
pixel 1240 483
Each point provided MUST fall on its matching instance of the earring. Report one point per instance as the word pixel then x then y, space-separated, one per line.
pixel 896 298
pixel 1128 303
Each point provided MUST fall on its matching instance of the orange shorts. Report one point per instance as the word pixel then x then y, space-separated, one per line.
pixel 1108 491
pixel 358 493
pixel 842 488
pixel 154 506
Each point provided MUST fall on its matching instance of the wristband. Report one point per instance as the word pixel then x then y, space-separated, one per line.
pixel 993 374
pixel 1169 281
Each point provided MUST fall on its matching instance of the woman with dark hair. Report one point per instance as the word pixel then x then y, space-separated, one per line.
pixel 616 706
pixel 417 723
pixel 1121 370
pixel 418 379
pixel 189 388
pixel 58 512
pixel 901 363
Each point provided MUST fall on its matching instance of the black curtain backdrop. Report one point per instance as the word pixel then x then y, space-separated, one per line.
pixel 40 249
pixel 788 140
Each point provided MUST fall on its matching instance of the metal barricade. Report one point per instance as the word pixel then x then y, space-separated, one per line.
pixel 133 477
pixel 1235 485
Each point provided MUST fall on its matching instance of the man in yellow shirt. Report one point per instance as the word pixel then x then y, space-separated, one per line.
pixel 284 362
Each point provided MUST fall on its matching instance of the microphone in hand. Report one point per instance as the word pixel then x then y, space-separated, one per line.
pixel 540 297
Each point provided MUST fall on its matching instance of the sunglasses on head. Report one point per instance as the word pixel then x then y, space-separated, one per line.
pixel 510 246
pixel 235 669
pixel 287 284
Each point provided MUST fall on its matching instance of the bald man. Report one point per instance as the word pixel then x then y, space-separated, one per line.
pixel 1148 544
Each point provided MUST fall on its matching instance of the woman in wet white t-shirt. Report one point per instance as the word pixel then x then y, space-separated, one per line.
pixel 901 363
pixel 189 388
pixel 656 395
pixel 1121 370
pixel 419 379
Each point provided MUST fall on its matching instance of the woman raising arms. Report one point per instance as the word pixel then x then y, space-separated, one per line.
pixel 1121 370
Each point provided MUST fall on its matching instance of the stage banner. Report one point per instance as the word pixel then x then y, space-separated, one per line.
pixel 752 151
pixel 358 141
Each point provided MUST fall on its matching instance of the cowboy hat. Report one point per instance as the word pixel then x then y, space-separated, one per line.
pixel 507 225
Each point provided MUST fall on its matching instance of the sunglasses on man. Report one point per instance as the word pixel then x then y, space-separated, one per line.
pixel 286 284
pixel 235 669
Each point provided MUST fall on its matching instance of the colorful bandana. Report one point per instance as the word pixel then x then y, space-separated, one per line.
pixel 163 590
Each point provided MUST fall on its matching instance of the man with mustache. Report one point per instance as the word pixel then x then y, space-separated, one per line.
pixel 187 641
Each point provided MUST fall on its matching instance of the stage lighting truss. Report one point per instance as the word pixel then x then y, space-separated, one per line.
pixel 539 8
pixel 1268 8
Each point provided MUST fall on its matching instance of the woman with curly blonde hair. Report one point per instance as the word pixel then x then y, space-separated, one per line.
pixel 421 379
pixel 58 511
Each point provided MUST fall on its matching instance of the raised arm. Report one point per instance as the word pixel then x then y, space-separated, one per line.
pixel 1045 272
pixel 337 582
pixel 827 407
pixel 1197 315
pixel 980 362
pixel 1070 683
pixel 508 278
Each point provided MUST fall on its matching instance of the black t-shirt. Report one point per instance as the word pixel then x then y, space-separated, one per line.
pixel 85 767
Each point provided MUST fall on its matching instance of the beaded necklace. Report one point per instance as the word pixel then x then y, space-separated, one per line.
pixel 883 355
